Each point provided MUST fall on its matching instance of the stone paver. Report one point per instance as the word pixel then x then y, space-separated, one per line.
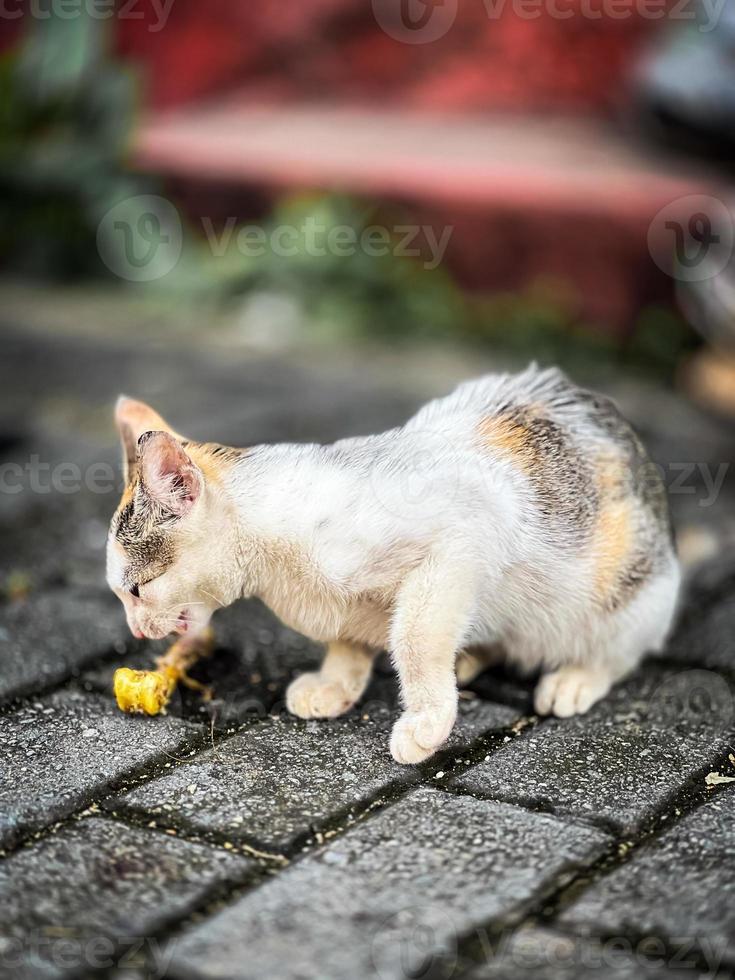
pixel 97 890
pixel 57 494
pixel 619 764
pixel 710 641
pixel 710 582
pixel 433 862
pixel 548 955
pixel 706 633
pixel 50 635
pixel 58 753
pixel 282 777
pixel 680 885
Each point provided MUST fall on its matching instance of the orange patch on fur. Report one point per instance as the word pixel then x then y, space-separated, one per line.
pixel 509 437
pixel 213 465
pixel 613 538
pixel 612 545
pixel 127 496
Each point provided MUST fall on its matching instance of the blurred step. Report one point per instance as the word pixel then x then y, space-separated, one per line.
pixel 526 196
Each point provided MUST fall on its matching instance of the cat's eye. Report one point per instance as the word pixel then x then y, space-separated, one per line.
pixel 135 591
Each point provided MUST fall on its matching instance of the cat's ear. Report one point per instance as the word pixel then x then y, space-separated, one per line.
pixel 133 418
pixel 169 476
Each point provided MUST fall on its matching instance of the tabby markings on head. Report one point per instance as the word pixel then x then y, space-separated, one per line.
pixel 141 530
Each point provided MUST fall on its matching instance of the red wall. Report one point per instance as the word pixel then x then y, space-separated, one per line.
pixel 334 50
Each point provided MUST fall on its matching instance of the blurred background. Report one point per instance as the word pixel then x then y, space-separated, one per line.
pixel 300 220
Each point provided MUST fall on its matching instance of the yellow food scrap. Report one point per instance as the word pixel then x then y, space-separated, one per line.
pixel 149 691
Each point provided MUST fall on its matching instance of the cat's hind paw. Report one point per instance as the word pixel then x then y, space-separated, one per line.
pixel 311 696
pixel 570 691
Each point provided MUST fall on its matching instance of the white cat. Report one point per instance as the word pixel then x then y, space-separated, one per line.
pixel 519 517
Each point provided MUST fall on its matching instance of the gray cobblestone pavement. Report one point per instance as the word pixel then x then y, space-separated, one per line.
pixel 52 634
pixel 280 779
pixel 618 765
pixel 103 882
pixel 421 865
pixel 680 883
pixel 228 840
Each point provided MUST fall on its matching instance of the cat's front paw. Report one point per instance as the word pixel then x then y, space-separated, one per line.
pixel 418 734
pixel 310 696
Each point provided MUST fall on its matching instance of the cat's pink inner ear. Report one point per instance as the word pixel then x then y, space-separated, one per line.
pixel 169 475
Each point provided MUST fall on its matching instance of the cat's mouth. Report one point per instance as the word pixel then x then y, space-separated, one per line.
pixel 152 630
pixel 183 623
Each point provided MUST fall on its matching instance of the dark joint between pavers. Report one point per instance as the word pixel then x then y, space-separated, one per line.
pixel 127 781
pixel 218 896
pixel 693 794
pixel 21 697
pixel 473 947
pixel 154 823
pixel 73 680
pixel 677 953
pixel 268 863
pixel 445 763
pixel 134 953
pixel 221 897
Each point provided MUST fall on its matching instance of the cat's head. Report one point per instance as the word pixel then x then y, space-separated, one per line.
pixel 163 549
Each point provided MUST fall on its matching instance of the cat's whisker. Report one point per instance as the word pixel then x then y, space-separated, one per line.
pixel 212 596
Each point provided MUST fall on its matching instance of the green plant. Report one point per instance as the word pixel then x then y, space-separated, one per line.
pixel 66 109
